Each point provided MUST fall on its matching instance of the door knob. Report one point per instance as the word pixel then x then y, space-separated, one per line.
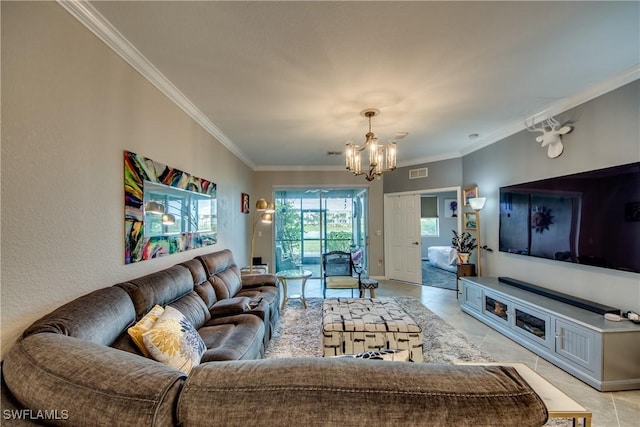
pixel 416 243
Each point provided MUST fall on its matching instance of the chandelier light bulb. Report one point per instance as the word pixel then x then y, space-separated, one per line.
pixel 382 158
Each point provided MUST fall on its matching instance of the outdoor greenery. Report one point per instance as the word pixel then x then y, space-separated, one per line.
pixel 429 227
pixel 289 232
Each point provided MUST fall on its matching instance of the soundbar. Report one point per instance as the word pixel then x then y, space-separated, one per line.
pixel 559 296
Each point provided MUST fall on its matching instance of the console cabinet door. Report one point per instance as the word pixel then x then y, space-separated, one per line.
pixel 533 324
pixel 472 296
pixel 577 344
pixel 497 308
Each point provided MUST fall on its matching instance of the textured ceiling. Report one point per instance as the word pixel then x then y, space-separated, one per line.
pixel 285 82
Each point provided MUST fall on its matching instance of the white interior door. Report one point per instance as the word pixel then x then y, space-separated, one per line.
pixel 403 245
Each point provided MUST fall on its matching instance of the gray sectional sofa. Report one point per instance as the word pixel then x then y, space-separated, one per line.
pixel 78 366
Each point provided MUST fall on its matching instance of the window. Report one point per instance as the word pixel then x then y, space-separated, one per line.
pixel 313 221
pixel 429 226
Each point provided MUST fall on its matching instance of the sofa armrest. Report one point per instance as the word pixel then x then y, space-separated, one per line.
pixel 255 280
pixel 317 391
pixel 90 384
pixel 230 306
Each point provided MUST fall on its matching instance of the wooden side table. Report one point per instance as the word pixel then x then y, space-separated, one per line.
pixel 466 270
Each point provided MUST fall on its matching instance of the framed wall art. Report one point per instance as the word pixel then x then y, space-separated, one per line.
pixel 450 208
pixel 470 221
pixel 166 210
pixel 470 193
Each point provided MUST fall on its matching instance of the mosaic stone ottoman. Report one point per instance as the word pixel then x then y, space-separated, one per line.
pixel 351 326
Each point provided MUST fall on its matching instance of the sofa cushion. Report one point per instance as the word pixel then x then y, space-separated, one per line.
pixel 202 285
pixel 194 309
pixel 222 272
pixel 226 283
pixel 174 341
pixel 98 317
pixel 94 384
pixel 144 325
pixel 231 306
pixel 347 392
pixel 233 338
pixel 162 288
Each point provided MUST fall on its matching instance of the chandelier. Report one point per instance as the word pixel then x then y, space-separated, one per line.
pixel 382 158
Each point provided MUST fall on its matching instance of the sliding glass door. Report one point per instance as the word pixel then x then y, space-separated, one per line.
pixel 312 221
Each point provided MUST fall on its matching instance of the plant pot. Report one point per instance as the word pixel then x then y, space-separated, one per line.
pixel 463 257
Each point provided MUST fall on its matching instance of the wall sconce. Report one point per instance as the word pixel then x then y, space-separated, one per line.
pixel 154 208
pixel 477 203
pixel 264 214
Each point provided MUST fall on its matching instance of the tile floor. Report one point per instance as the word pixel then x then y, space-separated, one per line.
pixel 610 409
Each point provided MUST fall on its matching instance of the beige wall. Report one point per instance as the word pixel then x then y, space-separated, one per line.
pixel 70 106
pixel 266 182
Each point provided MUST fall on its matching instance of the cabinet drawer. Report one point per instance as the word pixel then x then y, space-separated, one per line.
pixel 577 344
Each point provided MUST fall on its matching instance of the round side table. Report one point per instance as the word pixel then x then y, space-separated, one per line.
pixel 284 276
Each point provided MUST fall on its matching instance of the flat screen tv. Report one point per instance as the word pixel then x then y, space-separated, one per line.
pixel 590 218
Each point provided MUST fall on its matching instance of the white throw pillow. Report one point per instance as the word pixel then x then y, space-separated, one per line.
pixel 174 341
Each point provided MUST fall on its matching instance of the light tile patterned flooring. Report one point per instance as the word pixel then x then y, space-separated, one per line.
pixel 610 409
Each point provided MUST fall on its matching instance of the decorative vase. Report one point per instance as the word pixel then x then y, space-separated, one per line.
pixel 463 257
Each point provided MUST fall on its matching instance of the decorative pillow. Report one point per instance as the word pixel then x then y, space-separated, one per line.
pixel 146 323
pixel 174 341
pixel 390 355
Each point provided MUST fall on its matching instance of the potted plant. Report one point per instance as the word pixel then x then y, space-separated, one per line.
pixel 464 244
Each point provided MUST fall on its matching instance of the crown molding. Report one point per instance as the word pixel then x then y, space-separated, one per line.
pixel 558 107
pixel 102 28
pixel 97 24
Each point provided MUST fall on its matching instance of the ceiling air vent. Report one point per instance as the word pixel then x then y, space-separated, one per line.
pixel 418 173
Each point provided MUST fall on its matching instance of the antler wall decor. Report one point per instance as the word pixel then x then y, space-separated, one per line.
pixel 551 136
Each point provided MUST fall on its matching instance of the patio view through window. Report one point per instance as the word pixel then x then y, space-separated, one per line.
pixel 313 221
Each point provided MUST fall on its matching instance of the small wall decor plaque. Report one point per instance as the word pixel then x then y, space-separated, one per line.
pixel 244 203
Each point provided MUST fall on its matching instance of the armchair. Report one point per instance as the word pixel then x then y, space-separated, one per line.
pixel 338 272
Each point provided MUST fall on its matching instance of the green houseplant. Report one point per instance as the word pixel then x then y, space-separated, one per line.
pixel 464 244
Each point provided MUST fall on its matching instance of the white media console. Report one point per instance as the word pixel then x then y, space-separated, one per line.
pixel 602 353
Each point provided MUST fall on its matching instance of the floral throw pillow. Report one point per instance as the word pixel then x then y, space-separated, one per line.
pixel 174 341
pixel 146 323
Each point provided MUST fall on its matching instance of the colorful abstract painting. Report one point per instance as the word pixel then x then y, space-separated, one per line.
pixel 138 247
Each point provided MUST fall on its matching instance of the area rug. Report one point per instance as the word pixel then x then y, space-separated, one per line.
pixel 299 334
pixel 433 276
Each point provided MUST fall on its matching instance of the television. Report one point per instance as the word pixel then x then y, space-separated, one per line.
pixel 590 218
